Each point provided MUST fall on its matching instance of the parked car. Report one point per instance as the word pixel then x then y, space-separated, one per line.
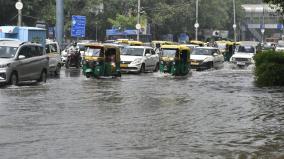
pixel 22 61
pixel 139 59
pixel 280 46
pixel 206 57
pixel 52 49
pixel 244 54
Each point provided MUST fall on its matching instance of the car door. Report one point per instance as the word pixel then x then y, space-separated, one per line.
pixel 154 59
pixel 147 61
pixel 25 66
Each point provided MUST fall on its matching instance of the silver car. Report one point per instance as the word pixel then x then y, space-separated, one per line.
pixel 22 61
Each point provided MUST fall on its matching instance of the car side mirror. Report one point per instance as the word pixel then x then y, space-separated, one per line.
pixel 148 55
pixel 21 57
pixel 215 54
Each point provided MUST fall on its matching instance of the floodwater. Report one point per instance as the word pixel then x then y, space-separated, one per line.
pixel 217 114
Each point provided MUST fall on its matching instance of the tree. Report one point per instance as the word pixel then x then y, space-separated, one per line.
pixel 278 3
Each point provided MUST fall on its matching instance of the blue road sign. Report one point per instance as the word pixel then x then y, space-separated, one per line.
pixel 78 26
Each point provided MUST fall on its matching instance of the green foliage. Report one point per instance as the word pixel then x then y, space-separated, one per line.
pixel 164 16
pixel 269 68
pixel 279 3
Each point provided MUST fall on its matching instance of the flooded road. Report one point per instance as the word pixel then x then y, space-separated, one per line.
pixel 213 114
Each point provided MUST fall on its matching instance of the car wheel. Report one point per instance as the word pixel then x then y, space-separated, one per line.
pixel 67 63
pixel 57 70
pixel 43 77
pixel 142 69
pixel 14 80
pixel 157 67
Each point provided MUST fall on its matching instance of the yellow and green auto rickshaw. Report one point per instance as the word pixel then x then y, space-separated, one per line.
pixel 230 50
pixel 101 61
pixel 175 60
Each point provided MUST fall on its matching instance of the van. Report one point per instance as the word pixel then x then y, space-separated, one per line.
pixel 22 61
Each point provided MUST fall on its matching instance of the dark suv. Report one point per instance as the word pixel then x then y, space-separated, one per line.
pixel 22 61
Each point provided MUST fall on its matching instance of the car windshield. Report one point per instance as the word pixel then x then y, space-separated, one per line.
pixel 93 52
pixel 202 51
pixel 169 52
pixel 245 49
pixel 133 51
pixel 7 51
pixel 81 47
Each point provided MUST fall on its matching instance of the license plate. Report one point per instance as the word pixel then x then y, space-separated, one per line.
pixel 194 63
pixel 123 65
pixel 241 63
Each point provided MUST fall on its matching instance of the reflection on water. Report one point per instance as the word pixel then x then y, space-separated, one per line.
pixel 212 114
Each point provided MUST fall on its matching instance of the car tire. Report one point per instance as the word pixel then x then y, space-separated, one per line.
pixel 157 67
pixel 67 64
pixel 14 80
pixel 57 70
pixel 142 69
pixel 43 77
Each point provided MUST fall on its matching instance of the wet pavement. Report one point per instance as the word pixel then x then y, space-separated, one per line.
pixel 212 114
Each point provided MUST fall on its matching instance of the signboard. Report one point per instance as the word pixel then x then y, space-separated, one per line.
pixel 78 26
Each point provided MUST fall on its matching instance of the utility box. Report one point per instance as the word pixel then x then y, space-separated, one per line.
pixel 26 34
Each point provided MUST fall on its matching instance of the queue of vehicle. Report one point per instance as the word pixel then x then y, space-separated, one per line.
pixel 116 57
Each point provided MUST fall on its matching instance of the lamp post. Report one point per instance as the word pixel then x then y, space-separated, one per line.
pixel 96 31
pixel 138 25
pixel 196 25
pixel 19 6
pixel 235 25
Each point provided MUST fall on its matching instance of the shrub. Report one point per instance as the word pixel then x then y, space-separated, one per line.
pixel 269 69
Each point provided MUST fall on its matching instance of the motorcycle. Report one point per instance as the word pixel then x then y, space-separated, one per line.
pixel 73 59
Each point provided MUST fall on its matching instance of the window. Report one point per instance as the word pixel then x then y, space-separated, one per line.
pixel 25 51
pixel 39 50
pixel 47 50
pixel 153 52
pixel 33 52
pixel 148 51
pixel 53 48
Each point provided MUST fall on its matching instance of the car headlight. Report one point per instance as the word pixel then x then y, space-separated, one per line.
pixel 233 59
pixel 4 65
pixel 137 61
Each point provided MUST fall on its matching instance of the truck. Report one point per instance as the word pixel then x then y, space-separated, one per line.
pixel 25 34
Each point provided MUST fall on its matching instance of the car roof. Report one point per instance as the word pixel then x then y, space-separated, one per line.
pixel 11 43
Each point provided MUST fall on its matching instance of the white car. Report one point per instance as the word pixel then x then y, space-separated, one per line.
pixel 280 46
pixel 206 57
pixel 243 55
pixel 137 59
pixel 53 51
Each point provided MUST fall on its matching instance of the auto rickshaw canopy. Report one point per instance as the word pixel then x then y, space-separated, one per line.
pixel 196 42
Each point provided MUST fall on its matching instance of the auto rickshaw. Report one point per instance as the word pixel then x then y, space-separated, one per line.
pixel 230 49
pixel 101 61
pixel 175 60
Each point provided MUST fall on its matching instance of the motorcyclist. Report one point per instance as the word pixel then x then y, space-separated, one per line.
pixel 74 47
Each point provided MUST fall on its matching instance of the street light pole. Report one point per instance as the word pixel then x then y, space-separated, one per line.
pixel 96 31
pixel 60 21
pixel 196 25
pixel 138 21
pixel 20 14
pixel 235 25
